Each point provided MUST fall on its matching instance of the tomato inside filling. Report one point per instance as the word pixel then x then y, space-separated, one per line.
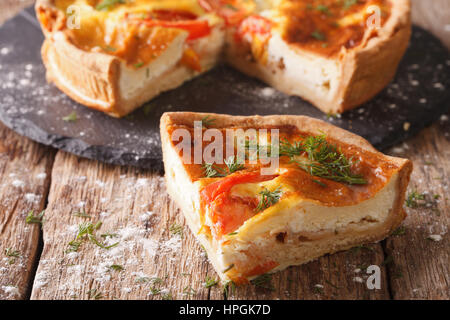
pixel 225 211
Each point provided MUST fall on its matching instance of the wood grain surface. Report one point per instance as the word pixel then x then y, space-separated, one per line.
pixel 157 257
pixel 24 181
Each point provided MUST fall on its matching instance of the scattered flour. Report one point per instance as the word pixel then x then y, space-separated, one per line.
pixel 11 291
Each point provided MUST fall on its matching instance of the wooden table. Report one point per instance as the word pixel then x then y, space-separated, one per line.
pixel 134 209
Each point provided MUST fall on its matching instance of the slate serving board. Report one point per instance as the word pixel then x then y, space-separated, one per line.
pixel 418 95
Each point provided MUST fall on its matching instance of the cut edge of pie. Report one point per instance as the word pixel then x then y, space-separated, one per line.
pixel 333 84
pixel 295 230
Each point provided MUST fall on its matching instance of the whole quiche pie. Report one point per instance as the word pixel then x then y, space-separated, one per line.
pixel 114 55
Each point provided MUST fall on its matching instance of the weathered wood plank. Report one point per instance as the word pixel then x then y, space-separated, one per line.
pixel 24 182
pixel 420 266
pixel 133 205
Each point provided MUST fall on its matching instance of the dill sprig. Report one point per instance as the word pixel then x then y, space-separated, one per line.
pixel 289 149
pixel 72 117
pixel 208 121
pixel 86 231
pixel 12 254
pixel 108 4
pixel 327 161
pixel 231 266
pixel 400 231
pixel 233 164
pixel 176 229
pixel 212 171
pixel 263 281
pixel 32 219
pixel 95 294
pixel 9 252
pixel 229 288
pixel 268 198
pixel 116 267
pixel 189 291
pixel 81 214
pixel 210 282
pixel 413 199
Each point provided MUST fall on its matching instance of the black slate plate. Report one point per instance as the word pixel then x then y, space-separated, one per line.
pixel 418 95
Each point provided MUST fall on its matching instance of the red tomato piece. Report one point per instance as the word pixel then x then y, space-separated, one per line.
pixel 227 213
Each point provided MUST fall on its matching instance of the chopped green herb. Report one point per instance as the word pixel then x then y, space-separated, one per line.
pixel 400 231
pixel 413 198
pixel 233 233
pixel 9 252
pixel 109 235
pixel 32 219
pixel 167 296
pixel 210 282
pixel 229 288
pixel 116 267
pixel 155 291
pixel 95 294
pixel 327 161
pixel 232 164
pixel 12 254
pixel 290 149
pixel 81 214
pixel 317 289
pixel 349 3
pixel 108 4
pixel 228 268
pixel 331 284
pixel 212 171
pixel 189 291
pixel 264 281
pixel 138 65
pixel 320 183
pixel 318 35
pixel 268 199
pixel 176 229
pixel 73 246
pixel 72 117
pixel 208 121
pixel 86 231
pixel 109 49
pixel 360 247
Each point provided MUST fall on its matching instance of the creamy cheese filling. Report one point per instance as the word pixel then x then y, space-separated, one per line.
pixel 316 73
pixel 297 216
pixel 133 80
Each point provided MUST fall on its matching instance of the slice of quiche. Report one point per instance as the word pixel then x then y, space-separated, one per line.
pixel 264 193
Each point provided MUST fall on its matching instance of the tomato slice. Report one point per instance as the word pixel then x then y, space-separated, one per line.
pixel 210 192
pixel 227 9
pixel 226 212
pixel 254 25
pixel 177 19
pixel 262 268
